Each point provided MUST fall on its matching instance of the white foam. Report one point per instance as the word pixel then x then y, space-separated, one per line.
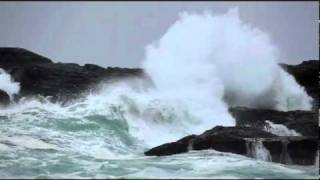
pixel 260 152
pixel 7 84
pixel 203 57
pixel 257 150
pixel 279 129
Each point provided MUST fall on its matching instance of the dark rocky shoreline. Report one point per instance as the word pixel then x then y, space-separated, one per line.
pixel 301 150
pixel 65 82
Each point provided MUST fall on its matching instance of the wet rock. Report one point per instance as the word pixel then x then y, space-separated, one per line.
pixel 303 122
pixel 242 140
pixel 226 139
pixel 180 146
pixel 4 98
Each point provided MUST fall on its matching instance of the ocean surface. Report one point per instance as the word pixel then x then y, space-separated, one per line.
pixel 39 139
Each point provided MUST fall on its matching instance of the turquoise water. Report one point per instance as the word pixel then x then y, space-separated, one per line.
pixel 97 140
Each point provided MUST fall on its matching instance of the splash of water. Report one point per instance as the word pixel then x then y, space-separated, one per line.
pixel 285 156
pixel 208 58
pixel 257 150
pixel 279 129
pixel 179 66
pixel 7 84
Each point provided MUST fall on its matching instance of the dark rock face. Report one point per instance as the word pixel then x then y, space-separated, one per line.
pixel 241 140
pixel 293 150
pixel 62 81
pixel 297 150
pixel 180 146
pixel 4 98
pixel 226 139
pixel 307 75
pixel 304 122
pixel 19 56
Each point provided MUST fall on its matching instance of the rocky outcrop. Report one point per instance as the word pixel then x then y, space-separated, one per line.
pixel 61 81
pixel 243 140
pixel 303 122
pixel 307 75
pixel 250 131
pixel 226 139
pixel 180 146
pixel 4 98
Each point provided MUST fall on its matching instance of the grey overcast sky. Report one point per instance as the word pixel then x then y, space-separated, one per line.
pixel 116 33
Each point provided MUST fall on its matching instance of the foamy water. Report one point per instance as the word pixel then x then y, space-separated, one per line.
pixel 7 84
pixel 280 130
pixel 209 59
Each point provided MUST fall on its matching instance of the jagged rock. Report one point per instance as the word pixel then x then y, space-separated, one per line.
pixel 240 140
pixel 61 81
pixel 303 122
pixel 4 98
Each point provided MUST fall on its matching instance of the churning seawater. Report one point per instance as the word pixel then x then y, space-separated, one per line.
pixel 201 66
pixel 44 140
